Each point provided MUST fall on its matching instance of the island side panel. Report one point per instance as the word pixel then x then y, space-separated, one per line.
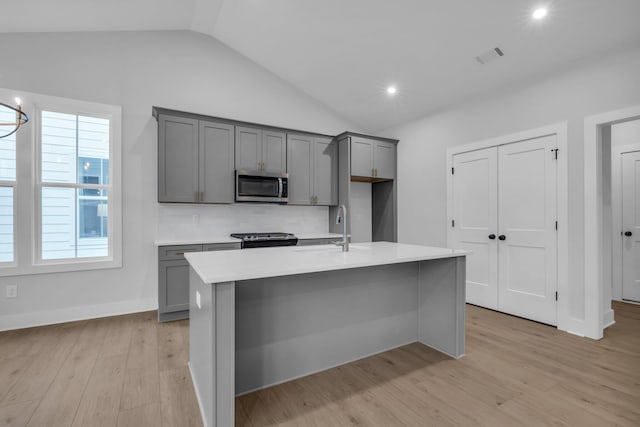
pixel 201 345
pixel 211 348
pixel 441 305
pixel 291 326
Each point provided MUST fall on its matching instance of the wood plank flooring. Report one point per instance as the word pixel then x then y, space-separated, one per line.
pixel 132 371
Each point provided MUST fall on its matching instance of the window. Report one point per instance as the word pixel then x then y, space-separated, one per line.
pixel 7 190
pixel 74 170
pixel 67 196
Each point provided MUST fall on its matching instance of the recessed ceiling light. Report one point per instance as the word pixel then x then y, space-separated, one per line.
pixel 391 90
pixel 539 13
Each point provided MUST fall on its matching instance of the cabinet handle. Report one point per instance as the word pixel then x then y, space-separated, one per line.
pixel 179 253
pixel 376 171
pixel 502 237
pixel 492 236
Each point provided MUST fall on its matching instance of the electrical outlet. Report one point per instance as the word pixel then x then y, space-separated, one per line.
pixel 12 291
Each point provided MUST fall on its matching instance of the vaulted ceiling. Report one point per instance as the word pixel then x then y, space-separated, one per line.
pixel 346 52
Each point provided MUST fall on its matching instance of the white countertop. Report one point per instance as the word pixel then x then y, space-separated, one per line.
pixel 198 240
pixel 230 266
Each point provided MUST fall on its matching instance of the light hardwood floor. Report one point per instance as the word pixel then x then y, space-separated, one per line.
pixel 132 371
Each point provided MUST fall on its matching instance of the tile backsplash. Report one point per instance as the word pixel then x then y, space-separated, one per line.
pixel 176 220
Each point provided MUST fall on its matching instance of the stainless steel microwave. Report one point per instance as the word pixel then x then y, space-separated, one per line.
pixel 262 187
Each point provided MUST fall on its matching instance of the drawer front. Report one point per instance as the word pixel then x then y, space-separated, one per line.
pixel 166 253
pixel 310 242
pixel 220 246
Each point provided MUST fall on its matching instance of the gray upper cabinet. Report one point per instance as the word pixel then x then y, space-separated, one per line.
pixel 177 159
pixel 361 157
pixel 313 170
pixel 248 148
pixel 195 161
pixel 216 167
pixel 372 158
pixel 260 150
pixel 384 156
pixel 274 152
pixel 325 171
pixel 300 166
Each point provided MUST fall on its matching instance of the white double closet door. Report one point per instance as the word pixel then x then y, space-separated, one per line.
pixel 631 226
pixel 504 210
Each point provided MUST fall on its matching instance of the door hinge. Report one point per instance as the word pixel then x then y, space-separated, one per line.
pixel 556 225
pixel 452 171
pixel 556 295
pixel 555 153
pixel 453 222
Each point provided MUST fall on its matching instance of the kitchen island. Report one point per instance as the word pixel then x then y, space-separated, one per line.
pixel 260 317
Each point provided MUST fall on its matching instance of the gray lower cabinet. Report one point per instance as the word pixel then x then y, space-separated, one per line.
pixel 195 160
pixel 173 278
pixel 323 241
pixel 260 150
pixel 373 159
pixel 312 164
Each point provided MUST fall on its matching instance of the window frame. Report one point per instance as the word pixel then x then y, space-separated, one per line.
pixel 28 188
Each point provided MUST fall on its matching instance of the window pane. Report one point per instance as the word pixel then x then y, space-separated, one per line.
pixel 7 148
pixel 93 170
pixel 93 215
pixel 6 224
pixel 58 223
pixel 93 149
pixel 59 136
pixel 74 225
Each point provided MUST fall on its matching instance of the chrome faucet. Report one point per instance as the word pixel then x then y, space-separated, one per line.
pixel 343 218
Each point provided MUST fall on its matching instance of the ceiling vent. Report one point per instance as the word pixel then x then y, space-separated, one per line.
pixel 490 55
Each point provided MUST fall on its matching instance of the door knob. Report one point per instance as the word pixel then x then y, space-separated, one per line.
pixel 628 233
pixel 502 237
pixel 492 236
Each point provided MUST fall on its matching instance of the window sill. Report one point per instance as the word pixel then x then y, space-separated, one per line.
pixel 48 267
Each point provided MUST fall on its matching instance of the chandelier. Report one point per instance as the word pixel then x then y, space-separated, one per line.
pixel 11 118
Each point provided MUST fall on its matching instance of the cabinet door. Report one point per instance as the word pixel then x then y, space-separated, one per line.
pixel 216 162
pixel 361 157
pixel 325 171
pixel 173 286
pixel 300 168
pixel 274 152
pixel 248 148
pixel 384 158
pixel 177 159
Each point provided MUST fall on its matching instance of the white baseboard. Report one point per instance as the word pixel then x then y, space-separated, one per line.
pixel 573 326
pixel 49 317
pixel 195 387
pixel 608 319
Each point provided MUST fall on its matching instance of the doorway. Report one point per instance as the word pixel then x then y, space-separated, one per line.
pixel 625 233
pixel 599 248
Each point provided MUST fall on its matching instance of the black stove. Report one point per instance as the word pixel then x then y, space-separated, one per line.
pixel 265 240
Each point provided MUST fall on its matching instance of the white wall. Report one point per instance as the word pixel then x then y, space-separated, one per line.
pixel 592 87
pixel 178 70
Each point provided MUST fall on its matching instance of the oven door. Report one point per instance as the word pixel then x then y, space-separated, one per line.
pixel 255 187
